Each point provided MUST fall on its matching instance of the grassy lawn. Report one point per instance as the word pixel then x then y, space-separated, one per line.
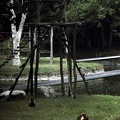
pixel 45 68
pixel 97 107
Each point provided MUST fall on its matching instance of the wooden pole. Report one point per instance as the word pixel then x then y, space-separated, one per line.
pixel 29 36
pixel 35 41
pixel 29 77
pixel 74 54
pixel 31 64
pixel 28 84
pixel 17 78
pixel 51 44
pixel 61 63
pixel 37 63
pixel 38 10
pixel 65 14
pixel 82 75
pixel 69 65
pixel 74 66
pixel 23 66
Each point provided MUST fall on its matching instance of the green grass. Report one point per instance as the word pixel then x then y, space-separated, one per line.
pixel 97 107
pixel 45 68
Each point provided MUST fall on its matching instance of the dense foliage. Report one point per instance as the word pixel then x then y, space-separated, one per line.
pixel 100 17
pixel 95 11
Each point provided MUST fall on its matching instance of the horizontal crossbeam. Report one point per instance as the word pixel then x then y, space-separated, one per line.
pixel 98 59
pixel 54 24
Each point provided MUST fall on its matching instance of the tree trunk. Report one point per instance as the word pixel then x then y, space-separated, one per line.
pixel 106 32
pixel 103 34
pixel 16 41
pixel 110 36
pixel 16 35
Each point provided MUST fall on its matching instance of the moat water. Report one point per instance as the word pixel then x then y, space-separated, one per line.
pixel 109 85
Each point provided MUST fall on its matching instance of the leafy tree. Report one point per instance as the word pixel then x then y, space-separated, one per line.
pixel 101 15
pixel 15 12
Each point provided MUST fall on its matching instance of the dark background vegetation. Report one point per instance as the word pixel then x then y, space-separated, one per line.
pixel 100 21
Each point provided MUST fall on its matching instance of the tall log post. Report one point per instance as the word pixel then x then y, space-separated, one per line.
pixel 61 63
pixel 51 44
pixel 30 37
pixel 69 66
pixel 31 64
pixel 37 62
pixel 74 64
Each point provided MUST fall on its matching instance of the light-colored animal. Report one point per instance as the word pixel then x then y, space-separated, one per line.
pixel 83 116
pixel 15 94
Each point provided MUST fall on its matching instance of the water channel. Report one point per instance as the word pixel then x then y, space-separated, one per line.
pixel 112 84
pixel 109 85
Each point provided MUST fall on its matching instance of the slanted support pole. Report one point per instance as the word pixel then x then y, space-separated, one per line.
pixel 61 63
pixel 23 66
pixel 69 62
pixel 17 78
pixel 82 75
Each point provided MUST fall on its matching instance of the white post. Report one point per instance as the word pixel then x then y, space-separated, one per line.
pixel 35 42
pixel 51 45
pixel 29 36
pixel 22 1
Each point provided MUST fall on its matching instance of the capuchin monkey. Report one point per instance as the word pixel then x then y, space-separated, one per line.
pixel 32 103
pixel 83 116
